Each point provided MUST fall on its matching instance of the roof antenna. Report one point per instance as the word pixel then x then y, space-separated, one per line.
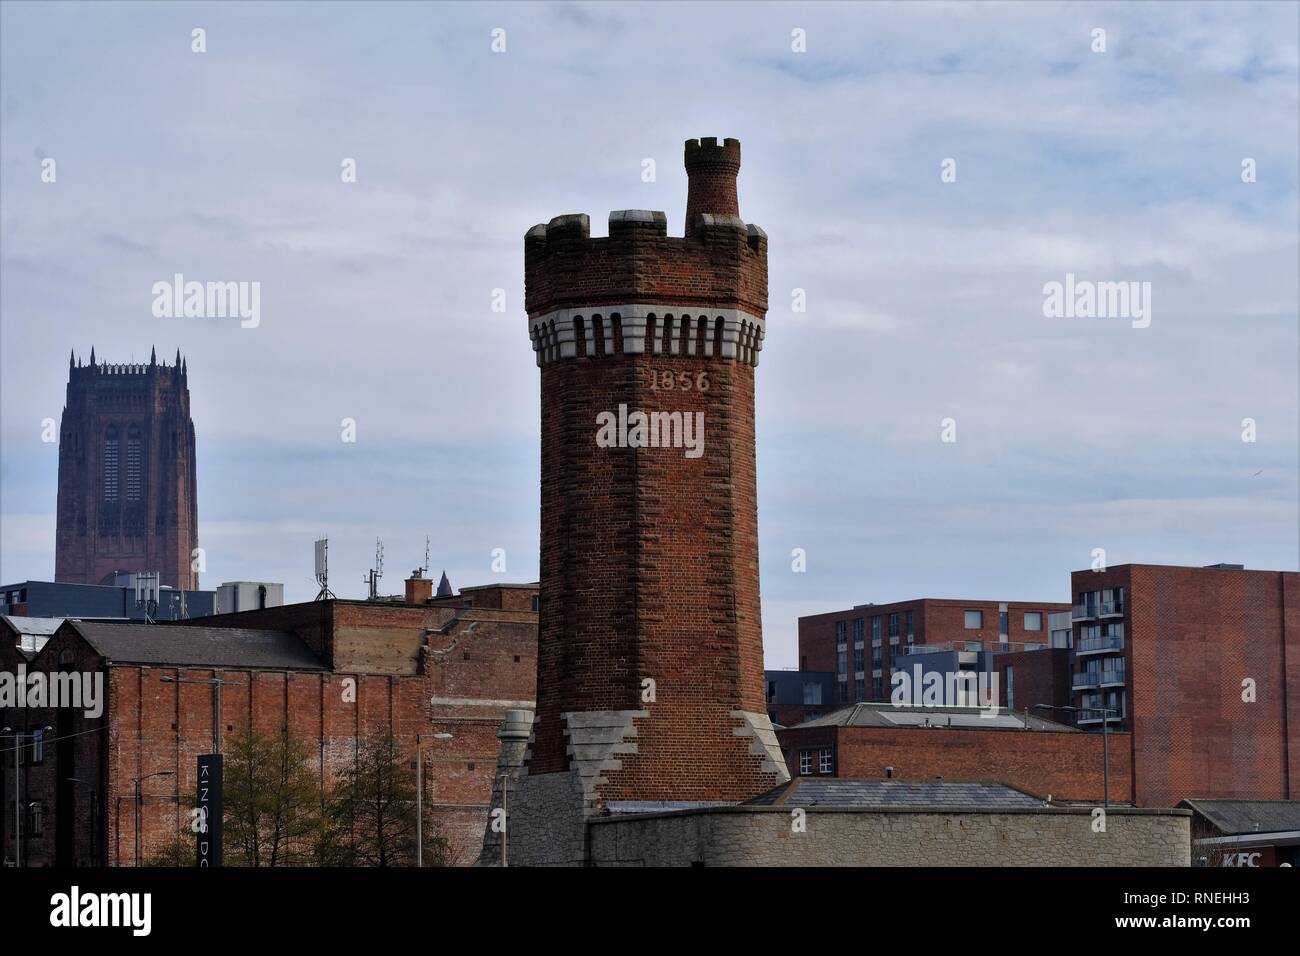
pixel 377 572
pixel 322 567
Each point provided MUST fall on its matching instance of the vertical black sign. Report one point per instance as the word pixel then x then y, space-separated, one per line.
pixel 207 823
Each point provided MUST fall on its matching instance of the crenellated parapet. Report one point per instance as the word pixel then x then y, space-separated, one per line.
pixel 722 265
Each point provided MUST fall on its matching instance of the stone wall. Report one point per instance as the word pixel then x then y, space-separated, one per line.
pixel 768 836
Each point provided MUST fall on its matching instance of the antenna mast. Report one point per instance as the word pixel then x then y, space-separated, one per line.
pixel 323 569
pixel 377 572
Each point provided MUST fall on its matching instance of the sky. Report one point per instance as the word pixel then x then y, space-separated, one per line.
pixel 924 297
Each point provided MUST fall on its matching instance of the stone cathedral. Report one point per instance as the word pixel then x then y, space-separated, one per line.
pixel 127 484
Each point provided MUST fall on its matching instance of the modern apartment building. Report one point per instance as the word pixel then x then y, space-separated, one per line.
pixel 864 644
pixel 1201 665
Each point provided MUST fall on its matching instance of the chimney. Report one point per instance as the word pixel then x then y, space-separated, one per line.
pixel 419 589
pixel 711 170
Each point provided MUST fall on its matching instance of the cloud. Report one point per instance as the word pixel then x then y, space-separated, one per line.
pixel 924 298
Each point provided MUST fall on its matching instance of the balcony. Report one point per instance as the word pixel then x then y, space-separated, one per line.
pixel 1086 681
pixel 1106 644
pixel 1084 612
pixel 1087 716
pixel 1112 678
pixel 1111 609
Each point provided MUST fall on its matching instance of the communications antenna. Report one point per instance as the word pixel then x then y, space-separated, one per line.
pixel 323 569
pixel 377 572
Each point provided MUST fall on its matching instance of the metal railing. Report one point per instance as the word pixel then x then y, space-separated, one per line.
pixel 1107 642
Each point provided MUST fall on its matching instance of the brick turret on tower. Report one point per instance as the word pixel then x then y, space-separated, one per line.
pixel 127 486
pixel 650 660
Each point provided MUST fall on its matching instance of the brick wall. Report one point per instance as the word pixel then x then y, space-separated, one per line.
pixel 1066 765
pixel 1192 636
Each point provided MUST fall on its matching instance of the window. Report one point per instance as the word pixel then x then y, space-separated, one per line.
pixel 858 653
pixel 812 692
pixel 537 603
pixel 36 817
pixel 875 628
pixel 1003 622
pixel 974 620
pixel 771 690
pixel 860 689
pixel 893 625
pixel 841 632
pixel 842 661
pixel 805 762
pixel 826 763
pixel 875 657
pixel 844 692
pixel 876 688
pixel 133 482
pixel 910 632
pixel 110 464
pixel 1033 620
pixel 1011 688
pixel 859 628
pixel 38 746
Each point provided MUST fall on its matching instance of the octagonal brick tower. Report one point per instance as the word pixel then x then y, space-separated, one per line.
pixel 650 688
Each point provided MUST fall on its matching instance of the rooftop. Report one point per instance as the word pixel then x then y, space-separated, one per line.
pixel 1233 817
pixel 163 644
pixel 884 714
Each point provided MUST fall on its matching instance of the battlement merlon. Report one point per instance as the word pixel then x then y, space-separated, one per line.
pixel 722 264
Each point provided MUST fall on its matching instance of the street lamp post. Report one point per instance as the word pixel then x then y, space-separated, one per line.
pixel 18 811
pixel 419 794
pixel 160 773
pixel 1106 713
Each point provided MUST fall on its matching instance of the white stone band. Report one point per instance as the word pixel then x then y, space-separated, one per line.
pixel 554 334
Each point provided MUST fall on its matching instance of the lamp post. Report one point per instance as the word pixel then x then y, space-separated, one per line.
pixel 419 794
pixel 160 773
pixel 18 811
pixel 1105 743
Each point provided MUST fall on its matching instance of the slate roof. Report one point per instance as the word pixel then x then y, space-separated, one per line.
pixel 884 714
pixel 837 792
pixel 1236 817
pixel 169 644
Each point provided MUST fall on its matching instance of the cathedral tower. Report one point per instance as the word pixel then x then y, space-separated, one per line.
pixel 127 490
pixel 650 684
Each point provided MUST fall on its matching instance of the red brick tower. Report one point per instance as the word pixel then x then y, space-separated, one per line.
pixel 650 659
pixel 127 492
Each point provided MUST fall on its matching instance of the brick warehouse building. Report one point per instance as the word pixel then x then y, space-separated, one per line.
pixel 416 669
pixel 128 491
pixel 1169 648
pixel 1022 750
pixel 862 645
